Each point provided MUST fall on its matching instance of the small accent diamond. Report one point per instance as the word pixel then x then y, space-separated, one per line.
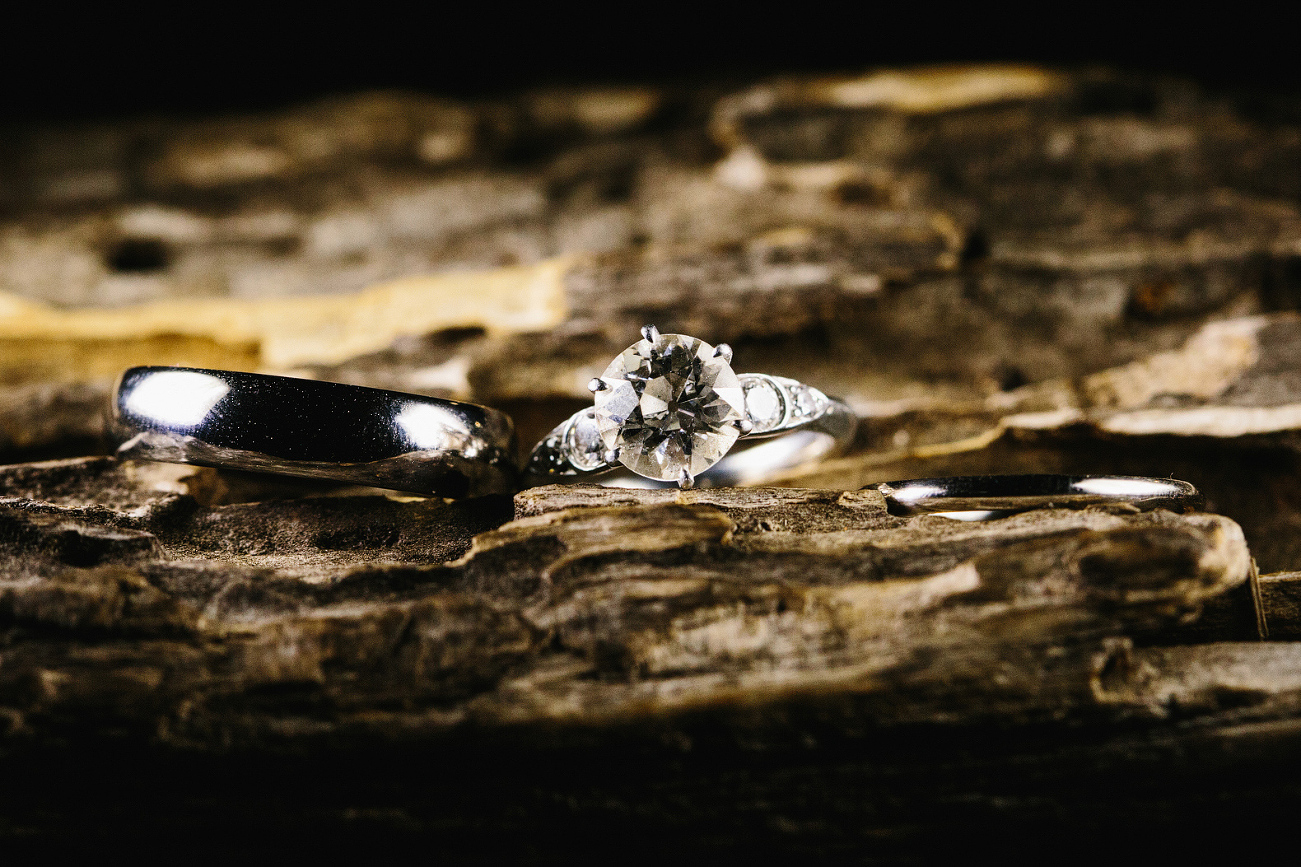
pixel 583 443
pixel 763 403
pixel 805 401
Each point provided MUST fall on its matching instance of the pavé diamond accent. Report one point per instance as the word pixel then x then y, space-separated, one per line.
pixel 804 401
pixel 671 405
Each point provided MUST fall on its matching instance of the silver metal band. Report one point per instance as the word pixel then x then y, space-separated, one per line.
pixel 979 498
pixel 790 423
pixel 303 427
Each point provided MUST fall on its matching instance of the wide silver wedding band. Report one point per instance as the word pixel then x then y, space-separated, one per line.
pixel 308 428
pixel 670 410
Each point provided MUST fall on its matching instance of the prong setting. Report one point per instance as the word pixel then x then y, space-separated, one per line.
pixel 596 384
pixel 668 402
pixel 745 426
pixel 685 480
pixel 724 352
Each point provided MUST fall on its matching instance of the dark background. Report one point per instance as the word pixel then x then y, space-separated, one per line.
pixel 70 64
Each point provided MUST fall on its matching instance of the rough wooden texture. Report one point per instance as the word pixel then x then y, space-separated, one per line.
pixel 849 231
pixel 717 631
pixel 1001 269
pixel 628 604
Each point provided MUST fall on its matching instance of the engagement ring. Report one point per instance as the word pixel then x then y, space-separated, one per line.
pixel 669 409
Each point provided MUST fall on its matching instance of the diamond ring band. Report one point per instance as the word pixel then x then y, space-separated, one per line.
pixel 669 410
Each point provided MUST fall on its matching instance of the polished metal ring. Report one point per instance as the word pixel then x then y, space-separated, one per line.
pixel 979 498
pixel 303 427
pixel 669 409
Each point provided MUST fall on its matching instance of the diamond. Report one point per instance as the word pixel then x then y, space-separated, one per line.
pixel 805 401
pixel 763 403
pixel 670 406
pixel 583 443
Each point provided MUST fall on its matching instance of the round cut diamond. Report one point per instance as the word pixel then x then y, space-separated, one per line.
pixel 763 403
pixel 669 405
pixel 583 441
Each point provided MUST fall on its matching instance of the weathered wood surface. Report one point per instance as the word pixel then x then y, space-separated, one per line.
pixel 1001 269
pixel 796 630
pixel 851 232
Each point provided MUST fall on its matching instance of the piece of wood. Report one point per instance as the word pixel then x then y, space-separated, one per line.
pixel 669 637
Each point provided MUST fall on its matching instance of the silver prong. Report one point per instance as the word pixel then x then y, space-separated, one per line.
pixel 686 480
pixel 596 384
pixel 650 332
pixel 610 456
pixel 724 352
pixel 745 426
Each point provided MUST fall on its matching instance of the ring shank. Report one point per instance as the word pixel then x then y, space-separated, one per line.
pixel 308 428
pixel 981 497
